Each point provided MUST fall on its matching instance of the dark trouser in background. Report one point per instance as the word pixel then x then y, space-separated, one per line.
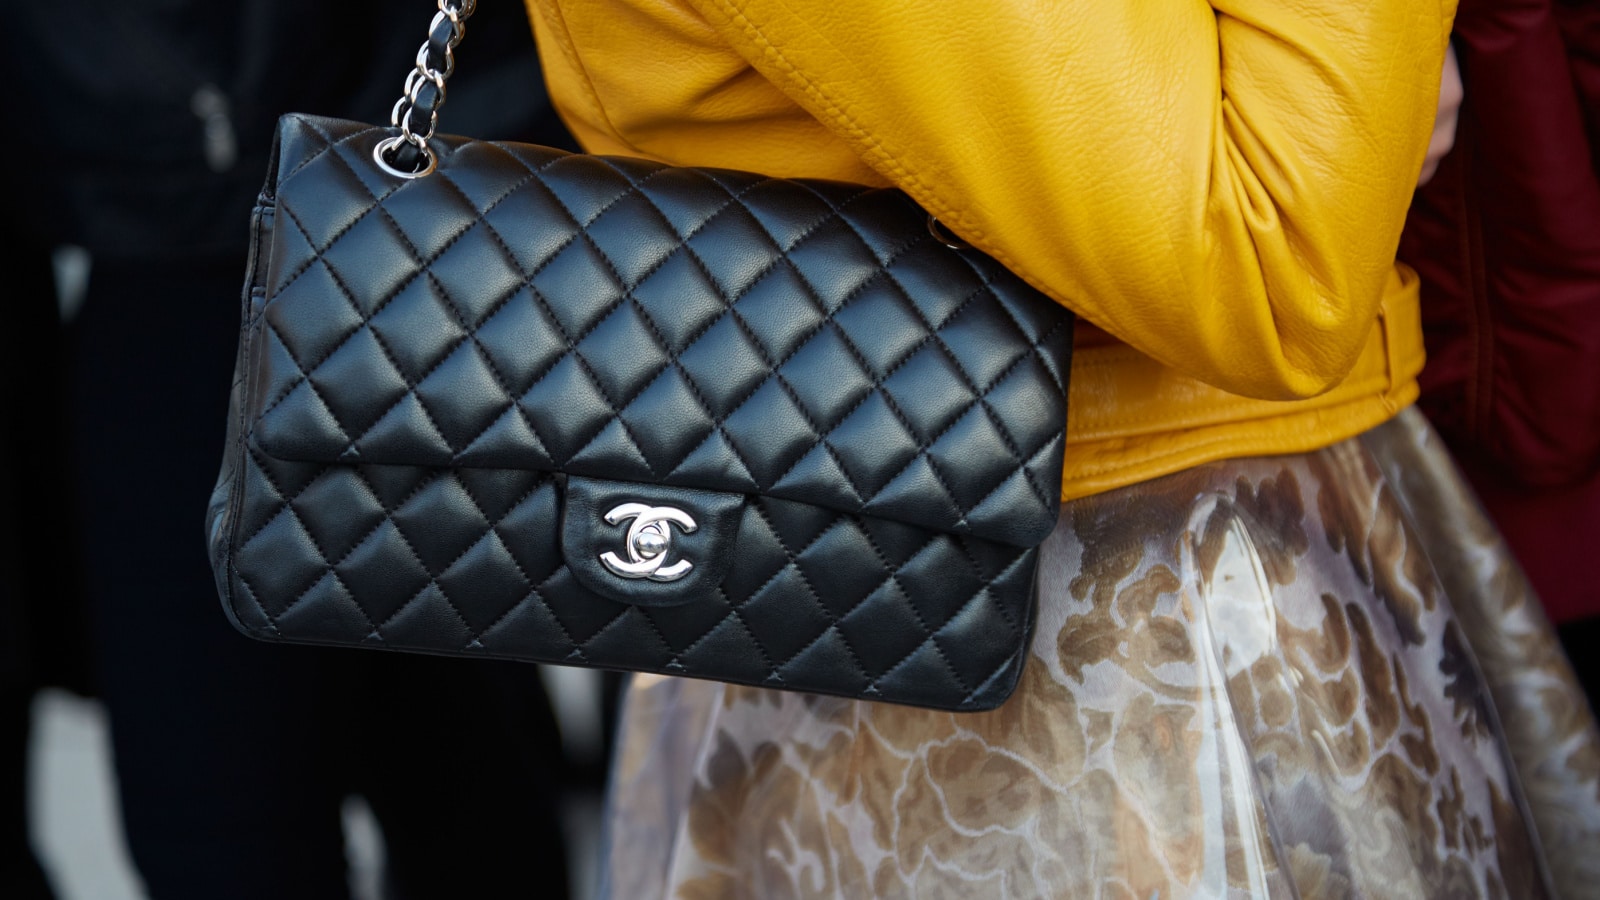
pixel 1580 638
pixel 41 604
pixel 232 756
pixel 20 875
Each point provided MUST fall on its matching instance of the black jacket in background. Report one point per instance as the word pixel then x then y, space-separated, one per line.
pixel 117 152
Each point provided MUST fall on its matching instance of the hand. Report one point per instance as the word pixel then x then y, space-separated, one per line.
pixel 1444 122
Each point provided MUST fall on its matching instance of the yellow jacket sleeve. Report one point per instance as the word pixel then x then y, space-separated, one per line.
pixel 1221 185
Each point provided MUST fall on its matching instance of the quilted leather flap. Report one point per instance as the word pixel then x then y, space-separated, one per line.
pixel 524 308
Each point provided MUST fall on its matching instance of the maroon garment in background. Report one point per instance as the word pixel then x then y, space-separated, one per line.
pixel 1506 238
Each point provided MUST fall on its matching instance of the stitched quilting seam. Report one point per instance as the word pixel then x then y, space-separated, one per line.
pixel 423 265
pixel 544 309
pixel 735 198
pixel 581 232
pixel 328 570
pixel 304 266
pixel 654 629
pixel 966 376
pixel 329 144
pixel 774 366
pixel 683 245
pixel 865 367
pixel 674 362
pixel 790 555
pixel 536 594
pixel 645 333
pixel 493 529
pixel 491 312
pixel 243 583
pixel 276 489
pixel 878 155
pixel 288 505
pixel 433 579
pixel 894 576
pixel 735 613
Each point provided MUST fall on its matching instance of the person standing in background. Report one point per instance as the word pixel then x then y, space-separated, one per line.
pixel 42 631
pixel 1252 674
pixel 1506 240
pixel 147 125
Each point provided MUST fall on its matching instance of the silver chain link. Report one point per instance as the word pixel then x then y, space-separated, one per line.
pixel 426 72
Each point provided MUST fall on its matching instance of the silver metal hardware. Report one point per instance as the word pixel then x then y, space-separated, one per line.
pixel 945 236
pixel 428 71
pixel 649 542
pixel 388 145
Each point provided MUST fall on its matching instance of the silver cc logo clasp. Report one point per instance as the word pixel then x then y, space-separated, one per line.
pixel 649 542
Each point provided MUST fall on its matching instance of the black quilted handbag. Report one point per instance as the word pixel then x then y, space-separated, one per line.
pixel 498 400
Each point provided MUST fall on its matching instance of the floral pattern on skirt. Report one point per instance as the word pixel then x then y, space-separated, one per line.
pixel 1256 678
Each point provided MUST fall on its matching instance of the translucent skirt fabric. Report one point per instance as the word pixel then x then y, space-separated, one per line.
pixel 1314 676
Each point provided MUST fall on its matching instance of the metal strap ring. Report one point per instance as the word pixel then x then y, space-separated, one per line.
pixel 388 145
pixel 452 13
pixel 945 236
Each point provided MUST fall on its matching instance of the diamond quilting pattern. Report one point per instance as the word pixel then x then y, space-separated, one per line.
pixel 437 575
pixel 783 310
pixel 425 363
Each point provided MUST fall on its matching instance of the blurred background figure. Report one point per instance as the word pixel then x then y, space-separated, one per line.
pixel 142 131
pixel 1507 240
pixel 42 632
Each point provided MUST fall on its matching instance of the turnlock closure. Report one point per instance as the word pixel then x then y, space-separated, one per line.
pixel 649 542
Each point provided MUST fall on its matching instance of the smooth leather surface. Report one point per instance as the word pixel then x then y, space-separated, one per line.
pixel 1217 187
pixel 436 376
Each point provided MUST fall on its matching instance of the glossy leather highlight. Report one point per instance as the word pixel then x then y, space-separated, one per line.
pixel 456 388
pixel 1217 187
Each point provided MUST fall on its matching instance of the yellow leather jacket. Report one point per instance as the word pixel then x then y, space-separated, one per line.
pixel 1217 187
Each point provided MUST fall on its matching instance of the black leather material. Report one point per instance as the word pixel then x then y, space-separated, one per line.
pixel 865 425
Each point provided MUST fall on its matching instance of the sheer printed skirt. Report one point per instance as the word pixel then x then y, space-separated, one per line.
pixel 1314 676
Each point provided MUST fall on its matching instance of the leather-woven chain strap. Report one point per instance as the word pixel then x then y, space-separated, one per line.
pixel 416 113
